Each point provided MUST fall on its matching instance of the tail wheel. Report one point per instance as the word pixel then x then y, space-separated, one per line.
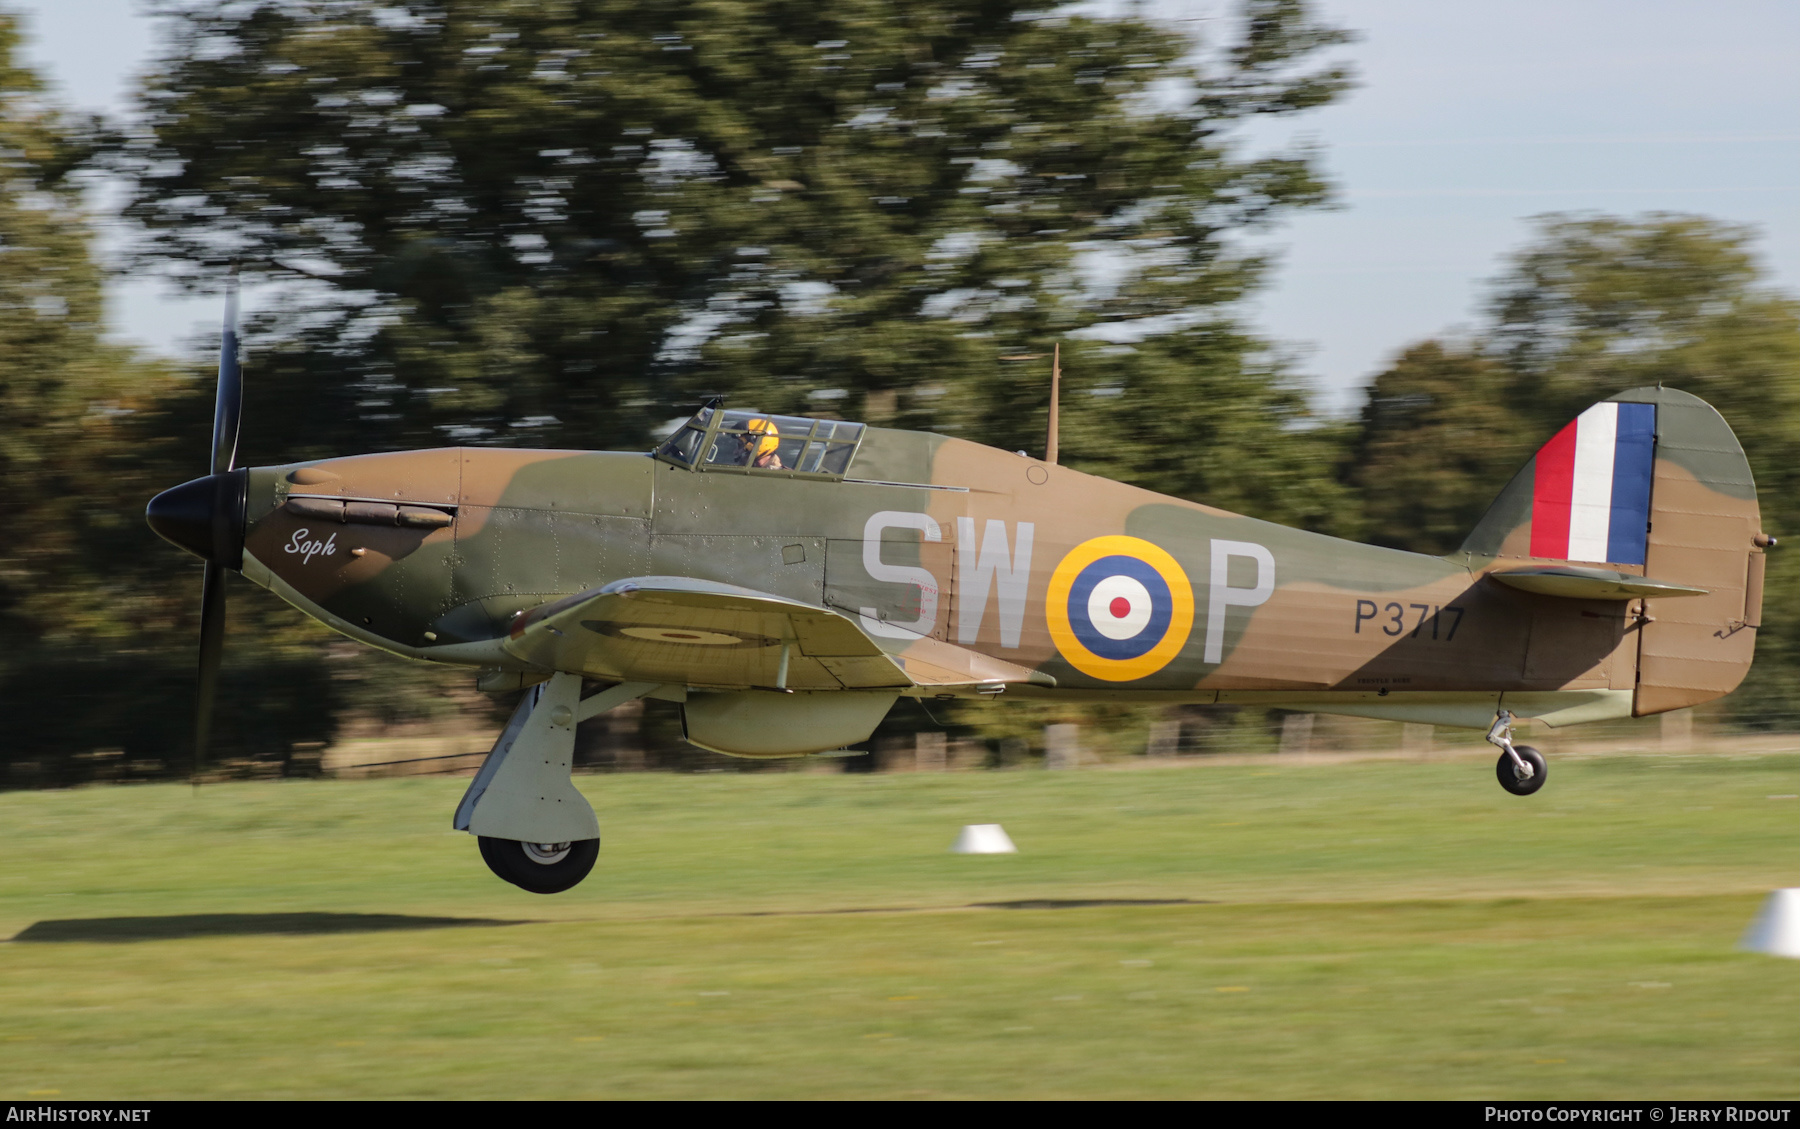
pixel 542 868
pixel 1515 782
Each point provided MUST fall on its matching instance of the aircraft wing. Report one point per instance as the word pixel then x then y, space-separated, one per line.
pixel 673 629
pixel 932 662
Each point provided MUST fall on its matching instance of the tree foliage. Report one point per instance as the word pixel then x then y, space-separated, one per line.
pixel 98 617
pixel 1436 441
pixel 1207 413
pixel 560 221
pixel 64 392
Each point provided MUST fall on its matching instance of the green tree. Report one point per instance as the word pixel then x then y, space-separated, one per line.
pixel 63 389
pixel 1598 304
pixel 559 221
pixel 97 615
pixel 1435 443
pixel 1209 413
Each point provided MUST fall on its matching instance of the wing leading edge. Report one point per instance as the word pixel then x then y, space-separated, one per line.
pixel 675 629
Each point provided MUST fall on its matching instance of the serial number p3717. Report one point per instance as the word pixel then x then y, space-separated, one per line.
pixel 1391 618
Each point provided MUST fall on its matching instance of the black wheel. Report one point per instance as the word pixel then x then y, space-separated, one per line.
pixel 542 868
pixel 1509 774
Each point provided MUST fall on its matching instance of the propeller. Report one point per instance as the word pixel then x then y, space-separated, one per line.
pixel 206 517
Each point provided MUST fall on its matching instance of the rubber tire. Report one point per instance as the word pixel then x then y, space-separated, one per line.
pixel 507 859
pixel 1509 779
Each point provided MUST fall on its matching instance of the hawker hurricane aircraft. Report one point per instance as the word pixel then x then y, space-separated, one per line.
pixel 787 579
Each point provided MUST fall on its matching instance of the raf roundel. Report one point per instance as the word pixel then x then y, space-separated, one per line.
pixel 1119 608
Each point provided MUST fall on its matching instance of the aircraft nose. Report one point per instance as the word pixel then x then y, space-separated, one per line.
pixel 205 517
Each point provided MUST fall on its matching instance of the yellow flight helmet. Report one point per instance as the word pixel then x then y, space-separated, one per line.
pixel 771 436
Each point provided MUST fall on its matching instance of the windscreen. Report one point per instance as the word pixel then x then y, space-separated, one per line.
pixel 685 443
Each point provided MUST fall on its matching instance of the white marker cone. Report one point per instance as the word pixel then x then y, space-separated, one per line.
pixel 984 839
pixel 1776 930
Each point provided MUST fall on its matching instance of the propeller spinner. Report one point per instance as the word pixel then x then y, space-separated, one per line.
pixel 206 517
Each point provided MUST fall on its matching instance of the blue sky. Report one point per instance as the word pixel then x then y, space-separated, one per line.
pixel 1469 119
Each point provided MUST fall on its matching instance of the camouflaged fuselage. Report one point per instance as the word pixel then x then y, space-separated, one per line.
pixel 1099 589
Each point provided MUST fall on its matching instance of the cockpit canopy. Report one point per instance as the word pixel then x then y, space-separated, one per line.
pixel 757 442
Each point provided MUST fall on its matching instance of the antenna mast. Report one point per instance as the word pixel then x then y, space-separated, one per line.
pixel 1055 396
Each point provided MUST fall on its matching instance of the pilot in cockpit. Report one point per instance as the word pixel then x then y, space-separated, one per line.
pixel 758 449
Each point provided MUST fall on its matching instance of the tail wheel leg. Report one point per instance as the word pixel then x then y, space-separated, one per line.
pixel 1521 769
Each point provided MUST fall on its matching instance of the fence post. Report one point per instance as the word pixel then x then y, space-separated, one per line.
pixel 1296 733
pixel 928 751
pixel 1678 731
pixel 625 734
pixel 1062 746
pixel 1415 739
pixel 1165 738
pixel 1014 751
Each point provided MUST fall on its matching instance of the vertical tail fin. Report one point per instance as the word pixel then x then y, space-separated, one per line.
pixel 1651 482
pixel 1590 497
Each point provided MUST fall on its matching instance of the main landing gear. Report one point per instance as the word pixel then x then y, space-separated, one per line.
pixel 534 828
pixel 1521 770
pixel 542 868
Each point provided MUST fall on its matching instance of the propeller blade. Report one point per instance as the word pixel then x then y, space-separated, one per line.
pixel 212 652
pixel 228 404
pixel 228 410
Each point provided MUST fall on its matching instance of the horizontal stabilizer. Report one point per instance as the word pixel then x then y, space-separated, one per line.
pixel 1579 582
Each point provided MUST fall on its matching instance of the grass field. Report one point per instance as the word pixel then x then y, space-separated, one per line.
pixel 1350 930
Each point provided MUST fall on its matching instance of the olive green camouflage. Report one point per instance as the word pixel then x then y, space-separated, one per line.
pixel 794 559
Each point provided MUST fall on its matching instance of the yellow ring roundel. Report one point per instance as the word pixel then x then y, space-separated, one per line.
pixel 1119 608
